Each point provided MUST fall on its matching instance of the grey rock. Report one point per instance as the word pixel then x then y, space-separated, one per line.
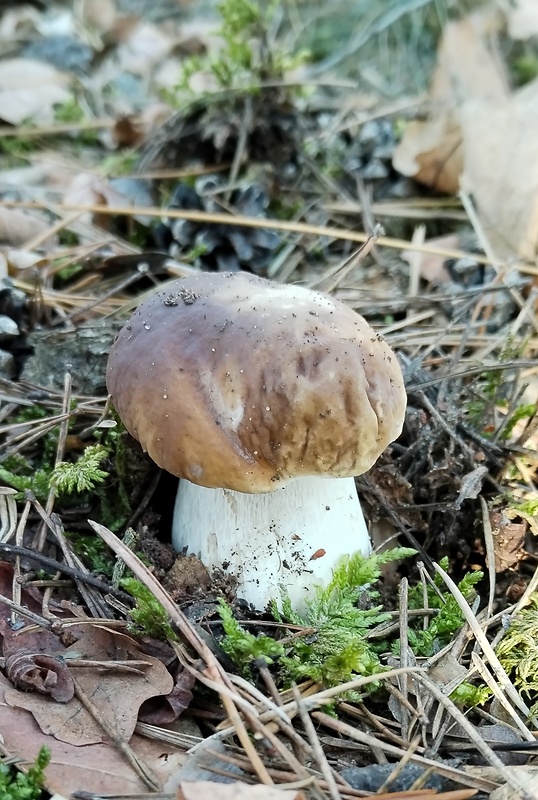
pixel 82 352
pixel 197 763
pixel 371 778
pixel 63 52
pixel 8 328
pixel 7 365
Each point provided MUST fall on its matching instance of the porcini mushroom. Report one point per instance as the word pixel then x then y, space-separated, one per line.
pixel 266 400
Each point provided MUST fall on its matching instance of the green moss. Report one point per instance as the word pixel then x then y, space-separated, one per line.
pixel 337 650
pixel 246 58
pixel 82 475
pixel 467 695
pixel 149 617
pixel 518 652
pixel 243 646
pixel 94 552
pixel 71 112
pixel 15 785
pixel 121 163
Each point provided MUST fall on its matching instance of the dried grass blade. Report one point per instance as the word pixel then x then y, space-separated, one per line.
pixel 491 656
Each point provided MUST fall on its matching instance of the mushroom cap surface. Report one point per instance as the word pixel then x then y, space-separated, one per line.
pixel 234 381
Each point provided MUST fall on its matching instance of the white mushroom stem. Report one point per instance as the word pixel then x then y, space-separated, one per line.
pixel 284 541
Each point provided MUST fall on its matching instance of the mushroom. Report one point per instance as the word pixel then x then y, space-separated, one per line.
pixel 266 400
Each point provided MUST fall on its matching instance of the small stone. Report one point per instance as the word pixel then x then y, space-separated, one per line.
pixel 375 170
pixel 7 366
pixel 8 328
pixel 64 52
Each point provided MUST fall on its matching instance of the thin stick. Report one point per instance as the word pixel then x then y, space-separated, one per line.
pixel 313 738
pixel 254 222
pixel 490 555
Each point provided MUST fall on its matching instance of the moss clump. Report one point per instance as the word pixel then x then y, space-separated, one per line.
pixel 15 785
pixel 518 652
pixel 337 650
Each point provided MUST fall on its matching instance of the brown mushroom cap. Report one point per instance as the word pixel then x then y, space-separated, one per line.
pixel 233 381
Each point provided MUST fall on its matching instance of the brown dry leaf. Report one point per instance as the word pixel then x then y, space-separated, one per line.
pixel 432 266
pixel 508 538
pixel 165 710
pixel 34 661
pixel 500 151
pixel 40 673
pixel 30 89
pixel 430 150
pixel 97 768
pixel 117 695
pixel 31 598
pixel 521 18
pixel 18 227
pixel 513 513
pixel 209 790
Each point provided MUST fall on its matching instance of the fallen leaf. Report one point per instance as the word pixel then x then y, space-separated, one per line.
pixel 40 673
pixel 87 189
pixel 116 695
pixel 19 260
pixel 96 768
pixel 531 519
pixel 18 227
pixel 99 15
pixel 209 790
pixel 432 266
pixel 430 150
pixel 508 538
pixel 30 89
pixel 500 154
pixel 165 710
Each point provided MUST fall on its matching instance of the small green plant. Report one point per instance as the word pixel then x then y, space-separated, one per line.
pixel 17 148
pixel 448 621
pixel 246 58
pixel 94 552
pixel 17 472
pixel 529 507
pixel 149 617
pixel 121 163
pixel 525 411
pixel 82 475
pixel 518 652
pixel 467 695
pixel 15 785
